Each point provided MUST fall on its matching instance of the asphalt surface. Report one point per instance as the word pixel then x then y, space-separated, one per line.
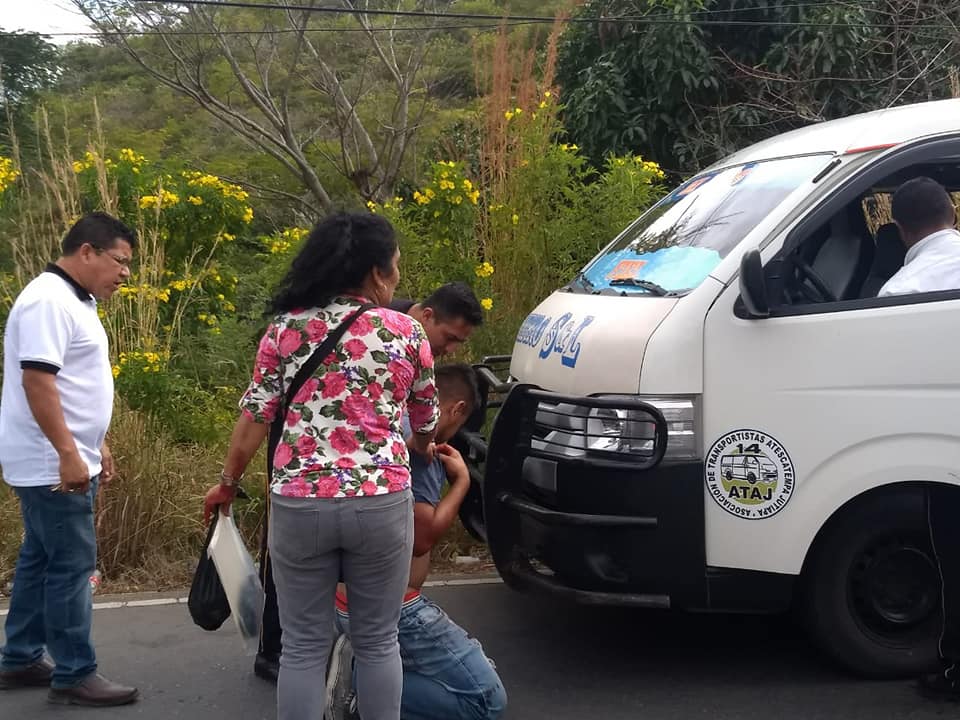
pixel 557 661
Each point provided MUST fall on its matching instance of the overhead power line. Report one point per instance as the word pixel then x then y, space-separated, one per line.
pixel 652 19
pixel 276 31
pixel 488 22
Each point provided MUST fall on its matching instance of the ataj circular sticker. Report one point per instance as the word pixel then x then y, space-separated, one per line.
pixel 749 474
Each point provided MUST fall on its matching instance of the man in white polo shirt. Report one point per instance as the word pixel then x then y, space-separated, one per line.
pixel 926 217
pixel 55 409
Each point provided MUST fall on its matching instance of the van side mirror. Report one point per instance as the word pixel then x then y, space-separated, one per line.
pixel 753 287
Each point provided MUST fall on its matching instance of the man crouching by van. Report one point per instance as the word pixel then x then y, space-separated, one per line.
pixel 446 675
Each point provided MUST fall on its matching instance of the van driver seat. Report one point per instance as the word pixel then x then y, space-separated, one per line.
pixel 887 260
pixel 842 262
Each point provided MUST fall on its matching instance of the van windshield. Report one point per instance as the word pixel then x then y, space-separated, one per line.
pixel 680 240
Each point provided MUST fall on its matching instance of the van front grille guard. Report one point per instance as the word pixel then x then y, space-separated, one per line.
pixel 544 426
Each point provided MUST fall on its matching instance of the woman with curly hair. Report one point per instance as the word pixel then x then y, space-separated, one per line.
pixel 340 501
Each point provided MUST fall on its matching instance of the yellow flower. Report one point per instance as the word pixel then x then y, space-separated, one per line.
pixel 131 157
pixel 547 94
pixel 247 215
pixel 202 317
pixel 467 185
pixel 421 198
pixel 179 285
pixel 543 104
pixel 515 219
pixel 148 201
pixel 227 237
pixel 474 196
pixel 371 206
pixel 457 199
pixel 508 115
pixel 195 200
pixel 486 303
pixel 483 270
pixel 78 167
pixel 115 370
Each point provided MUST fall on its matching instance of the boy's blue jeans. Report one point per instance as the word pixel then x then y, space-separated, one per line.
pixel 446 675
pixel 51 604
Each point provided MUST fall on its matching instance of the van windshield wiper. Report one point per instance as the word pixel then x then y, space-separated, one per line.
pixel 584 282
pixel 650 287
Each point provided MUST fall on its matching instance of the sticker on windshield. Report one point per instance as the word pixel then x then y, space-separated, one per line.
pixel 626 270
pixel 749 474
pixel 691 186
pixel 742 174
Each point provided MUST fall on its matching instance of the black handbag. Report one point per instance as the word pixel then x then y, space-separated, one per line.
pixel 305 372
pixel 207 601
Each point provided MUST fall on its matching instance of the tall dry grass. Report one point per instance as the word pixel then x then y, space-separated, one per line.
pixel 148 521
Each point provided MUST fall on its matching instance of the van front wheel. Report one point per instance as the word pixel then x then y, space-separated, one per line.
pixel 871 590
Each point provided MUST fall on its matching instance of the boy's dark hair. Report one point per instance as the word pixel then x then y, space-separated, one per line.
pixel 921 205
pixel 98 230
pixel 455 300
pixel 458 381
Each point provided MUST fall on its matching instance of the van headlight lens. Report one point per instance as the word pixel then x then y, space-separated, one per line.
pixel 575 431
pixel 616 430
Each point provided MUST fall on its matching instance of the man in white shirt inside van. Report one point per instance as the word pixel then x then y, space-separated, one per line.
pixel 926 217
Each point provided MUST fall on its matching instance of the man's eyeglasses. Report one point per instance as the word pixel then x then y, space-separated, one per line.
pixel 118 259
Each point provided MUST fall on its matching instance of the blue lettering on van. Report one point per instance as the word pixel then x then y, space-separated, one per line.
pixel 559 337
pixel 532 329
pixel 569 357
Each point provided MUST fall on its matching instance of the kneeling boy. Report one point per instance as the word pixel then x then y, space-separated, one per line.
pixel 446 675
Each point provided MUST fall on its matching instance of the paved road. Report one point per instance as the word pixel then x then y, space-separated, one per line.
pixel 558 662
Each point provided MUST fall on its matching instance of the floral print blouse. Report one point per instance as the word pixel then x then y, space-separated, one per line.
pixel 343 435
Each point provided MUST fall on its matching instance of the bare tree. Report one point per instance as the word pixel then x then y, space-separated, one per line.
pixel 295 84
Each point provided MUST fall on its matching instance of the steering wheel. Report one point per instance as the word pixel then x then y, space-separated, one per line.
pixel 820 292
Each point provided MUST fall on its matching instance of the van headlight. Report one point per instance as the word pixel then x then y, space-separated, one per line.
pixel 620 430
pixel 570 430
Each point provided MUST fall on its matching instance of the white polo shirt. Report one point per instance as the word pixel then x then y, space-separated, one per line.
pixel 54 327
pixel 930 265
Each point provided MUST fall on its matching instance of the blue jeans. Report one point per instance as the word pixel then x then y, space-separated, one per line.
pixel 51 603
pixel 446 675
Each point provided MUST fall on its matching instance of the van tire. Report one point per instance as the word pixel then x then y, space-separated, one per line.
pixel 870 592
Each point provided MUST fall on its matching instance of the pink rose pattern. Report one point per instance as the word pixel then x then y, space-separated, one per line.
pixel 342 434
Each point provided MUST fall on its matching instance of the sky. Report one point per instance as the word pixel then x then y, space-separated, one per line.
pixel 43 16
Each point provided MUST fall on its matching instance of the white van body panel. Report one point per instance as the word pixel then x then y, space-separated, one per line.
pixel 858 399
pixel 673 360
pixel 583 344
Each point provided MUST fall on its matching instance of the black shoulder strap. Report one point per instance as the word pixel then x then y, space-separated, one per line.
pixel 305 372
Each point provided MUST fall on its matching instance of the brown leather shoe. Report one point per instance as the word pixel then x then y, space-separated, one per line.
pixel 35 675
pixel 94 691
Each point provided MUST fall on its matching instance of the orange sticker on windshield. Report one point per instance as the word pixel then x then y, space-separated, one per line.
pixel 626 270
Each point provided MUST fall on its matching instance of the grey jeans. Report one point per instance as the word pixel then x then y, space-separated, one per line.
pixel 311 540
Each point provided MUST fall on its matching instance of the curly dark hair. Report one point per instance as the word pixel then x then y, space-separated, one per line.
pixel 338 255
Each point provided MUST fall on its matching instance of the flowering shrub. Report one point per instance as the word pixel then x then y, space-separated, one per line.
pixel 537 213
pixel 8 175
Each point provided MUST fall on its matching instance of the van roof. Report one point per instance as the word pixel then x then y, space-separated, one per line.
pixel 879 128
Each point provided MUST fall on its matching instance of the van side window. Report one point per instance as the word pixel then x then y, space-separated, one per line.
pixel 846 258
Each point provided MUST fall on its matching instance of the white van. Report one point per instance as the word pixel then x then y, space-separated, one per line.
pixel 738 319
